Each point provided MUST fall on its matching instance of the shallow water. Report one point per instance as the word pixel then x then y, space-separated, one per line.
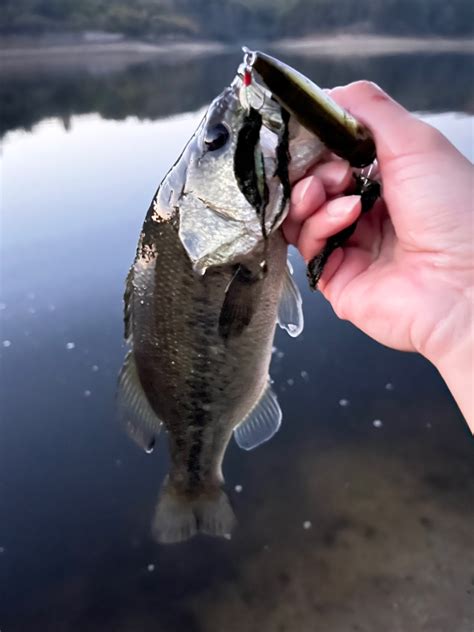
pixel 358 515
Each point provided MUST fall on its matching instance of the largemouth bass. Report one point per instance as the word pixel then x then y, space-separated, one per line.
pixel 208 285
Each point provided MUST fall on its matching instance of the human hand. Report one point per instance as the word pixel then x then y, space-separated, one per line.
pixel 406 276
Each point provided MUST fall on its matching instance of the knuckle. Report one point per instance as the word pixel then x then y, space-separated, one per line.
pixel 369 89
pixel 428 137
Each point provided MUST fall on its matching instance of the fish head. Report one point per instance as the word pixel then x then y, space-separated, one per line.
pixel 235 189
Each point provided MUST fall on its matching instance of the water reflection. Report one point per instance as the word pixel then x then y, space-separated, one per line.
pixel 390 544
pixel 155 89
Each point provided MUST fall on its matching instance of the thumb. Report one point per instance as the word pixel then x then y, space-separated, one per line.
pixel 395 130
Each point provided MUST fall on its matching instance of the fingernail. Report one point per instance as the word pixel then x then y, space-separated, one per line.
pixel 301 190
pixel 343 205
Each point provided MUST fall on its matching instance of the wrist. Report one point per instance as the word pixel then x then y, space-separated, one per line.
pixel 454 359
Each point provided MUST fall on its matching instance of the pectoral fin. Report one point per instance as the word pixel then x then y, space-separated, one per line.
pixel 240 301
pixel 135 411
pixel 261 423
pixel 290 311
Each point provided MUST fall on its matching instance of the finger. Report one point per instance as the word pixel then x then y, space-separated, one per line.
pixel 370 228
pixel 392 125
pixel 344 265
pixel 291 231
pixel 332 265
pixel 335 175
pixel 360 250
pixel 331 218
pixel 307 196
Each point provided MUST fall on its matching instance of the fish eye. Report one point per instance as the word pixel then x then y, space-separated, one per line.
pixel 216 137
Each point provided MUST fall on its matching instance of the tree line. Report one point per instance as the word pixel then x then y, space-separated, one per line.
pixel 235 20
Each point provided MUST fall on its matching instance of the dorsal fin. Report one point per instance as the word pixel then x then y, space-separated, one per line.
pixel 261 423
pixel 290 311
pixel 135 411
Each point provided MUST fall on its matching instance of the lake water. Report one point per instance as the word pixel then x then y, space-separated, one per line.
pixel 357 516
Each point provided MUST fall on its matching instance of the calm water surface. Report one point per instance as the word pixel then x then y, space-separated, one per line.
pixel 358 515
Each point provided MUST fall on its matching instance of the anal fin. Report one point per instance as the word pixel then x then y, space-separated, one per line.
pixel 261 423
pixel 135 411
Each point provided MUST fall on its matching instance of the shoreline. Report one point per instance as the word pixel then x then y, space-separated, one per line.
pixel 107 55
pixel 372 45
pixel 118 47
pixel 341 44
pixel 101 56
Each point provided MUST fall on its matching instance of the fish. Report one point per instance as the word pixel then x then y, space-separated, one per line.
pixel 209 283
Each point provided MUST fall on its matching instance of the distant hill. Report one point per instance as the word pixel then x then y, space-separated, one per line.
pixel 231 20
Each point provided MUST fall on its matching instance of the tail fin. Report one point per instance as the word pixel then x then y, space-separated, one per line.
pixel 177 518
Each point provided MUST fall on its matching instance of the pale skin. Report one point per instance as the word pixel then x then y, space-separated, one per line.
pixel 406 276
